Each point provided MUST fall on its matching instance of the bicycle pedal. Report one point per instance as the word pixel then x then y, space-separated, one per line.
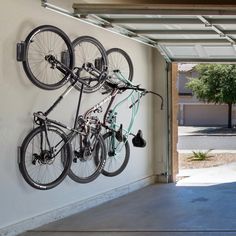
pixel 34 162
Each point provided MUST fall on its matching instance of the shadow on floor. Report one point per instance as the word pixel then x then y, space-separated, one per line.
pixel 195 130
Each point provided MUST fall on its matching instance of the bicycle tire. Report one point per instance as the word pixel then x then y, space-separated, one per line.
pixel 56 168
pixel 79 167
pixel 42 41
pixel 118 62
pixel 88 49
pixel 120 161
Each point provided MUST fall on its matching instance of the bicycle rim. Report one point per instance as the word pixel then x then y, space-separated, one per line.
pixel 84 168
pixel 118 154
pixel 43 41
pixel 40 168
pixel 120 68
pixel 89 50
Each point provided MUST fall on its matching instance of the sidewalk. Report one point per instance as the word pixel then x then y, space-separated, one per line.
pixel 205 131
pixel 208 176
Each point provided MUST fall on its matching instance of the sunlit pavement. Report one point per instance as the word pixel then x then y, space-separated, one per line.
pixel 208 176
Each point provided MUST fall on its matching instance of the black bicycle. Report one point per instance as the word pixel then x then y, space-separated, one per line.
pixel 48 57
pixel 48 151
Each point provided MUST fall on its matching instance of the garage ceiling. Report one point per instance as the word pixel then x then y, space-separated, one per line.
pixel 183 32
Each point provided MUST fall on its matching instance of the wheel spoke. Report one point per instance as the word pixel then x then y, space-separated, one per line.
pixel 39 165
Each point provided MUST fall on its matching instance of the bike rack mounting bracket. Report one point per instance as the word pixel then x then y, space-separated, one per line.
pixel 20 51
pixel 65 58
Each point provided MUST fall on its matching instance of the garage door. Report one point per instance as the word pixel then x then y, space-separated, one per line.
pixel 183 31
pixel 205 115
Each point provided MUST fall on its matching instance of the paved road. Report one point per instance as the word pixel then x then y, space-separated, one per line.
pixel 191 142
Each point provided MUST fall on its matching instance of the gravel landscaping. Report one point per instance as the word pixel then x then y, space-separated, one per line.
pixel 214 159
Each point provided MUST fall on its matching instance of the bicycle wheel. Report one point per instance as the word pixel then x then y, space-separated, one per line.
pixel 120 68
pixel 118 154
pixel 91 59
pixel 42 164
pixel 47 40
pixel 84 169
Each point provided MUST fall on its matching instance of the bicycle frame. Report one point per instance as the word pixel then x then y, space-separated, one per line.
pixel 135 100
pixel 41 118
pixel 74 76
pixel 61 67
pixel 86 119
pixel 109 117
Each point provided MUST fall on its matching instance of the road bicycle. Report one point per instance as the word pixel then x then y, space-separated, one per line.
pixel 120 75
pixel 116 136
pixel 48 151
pixel 48 57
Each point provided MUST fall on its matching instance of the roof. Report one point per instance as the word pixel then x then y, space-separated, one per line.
pixel 185 67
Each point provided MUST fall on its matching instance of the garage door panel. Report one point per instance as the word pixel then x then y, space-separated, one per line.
pixel 205 115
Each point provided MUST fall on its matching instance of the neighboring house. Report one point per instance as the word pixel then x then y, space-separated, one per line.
pixel 193 112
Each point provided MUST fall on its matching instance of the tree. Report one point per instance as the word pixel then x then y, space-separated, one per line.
pixel 216 83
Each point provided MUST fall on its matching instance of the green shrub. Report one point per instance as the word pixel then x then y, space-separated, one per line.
pixel 199 156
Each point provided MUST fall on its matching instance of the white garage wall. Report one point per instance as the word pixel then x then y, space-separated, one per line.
pixel 19 98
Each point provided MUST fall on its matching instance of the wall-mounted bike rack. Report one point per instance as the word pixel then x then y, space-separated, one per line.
pixel 20 51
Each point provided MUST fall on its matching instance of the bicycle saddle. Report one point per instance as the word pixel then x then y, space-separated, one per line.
pixel 138 140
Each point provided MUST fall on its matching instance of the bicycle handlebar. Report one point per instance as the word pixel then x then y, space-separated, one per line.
pixel 136 88
pixel 146 92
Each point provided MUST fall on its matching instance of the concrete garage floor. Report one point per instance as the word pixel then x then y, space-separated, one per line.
pixel 161 209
